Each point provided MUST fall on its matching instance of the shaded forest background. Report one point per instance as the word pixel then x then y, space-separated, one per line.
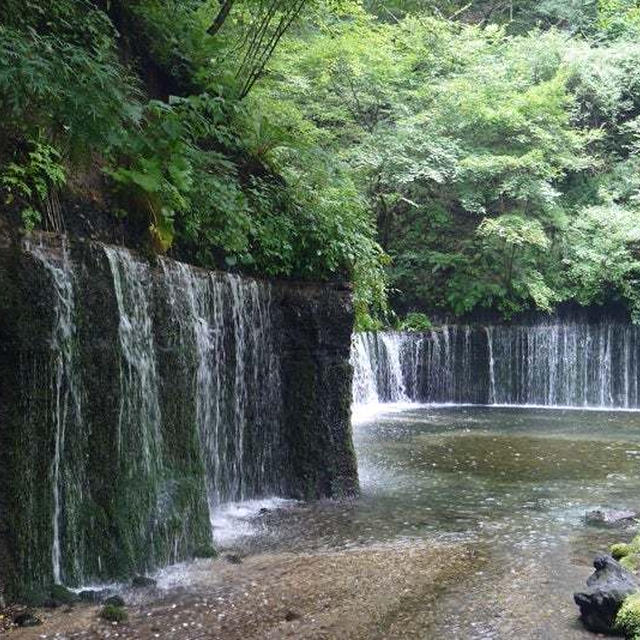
pixel 443 156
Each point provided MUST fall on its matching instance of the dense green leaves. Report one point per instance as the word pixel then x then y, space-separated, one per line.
pixel 457 155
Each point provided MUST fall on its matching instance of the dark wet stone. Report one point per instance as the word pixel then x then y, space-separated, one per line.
pixel 264 511
pixel 608 586
pixel 94 596
pixel 140 582
pixel 611 517
pixel 27 619
pixel 114 601
pixel 51 603
pixel 292 615
pixel 232 558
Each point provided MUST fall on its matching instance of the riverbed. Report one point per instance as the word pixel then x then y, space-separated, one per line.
pixel 470 525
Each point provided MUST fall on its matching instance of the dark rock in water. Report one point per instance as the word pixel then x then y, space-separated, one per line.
pixel 264 510
pixel 232 558
pixel 27 619
pixel 140 582
pixel 114 601
pixel 608 586
pixel 610 517
pixel 94 596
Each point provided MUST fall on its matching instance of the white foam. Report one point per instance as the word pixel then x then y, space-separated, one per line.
pixel 236 520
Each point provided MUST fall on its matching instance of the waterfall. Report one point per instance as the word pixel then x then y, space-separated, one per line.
pixel 139 413
pixel 66 405
pixel 377 360
pixel 492 366
pixel 141 399
pixel 226 328
pixel 554 363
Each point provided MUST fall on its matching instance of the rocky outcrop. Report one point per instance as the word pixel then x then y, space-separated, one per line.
pixel 133 496
pixel 608 587
pixel 611 517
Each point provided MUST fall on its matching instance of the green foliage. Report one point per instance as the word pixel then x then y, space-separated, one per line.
pixel 112 613
pixel 416 321
pixel 28 180
pixel 628 617
pixel 620 549
pixel 458 155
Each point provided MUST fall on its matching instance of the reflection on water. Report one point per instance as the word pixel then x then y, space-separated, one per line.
pixel 516 482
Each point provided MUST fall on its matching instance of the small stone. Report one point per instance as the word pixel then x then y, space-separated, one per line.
pixel 232 558
pixel 289 616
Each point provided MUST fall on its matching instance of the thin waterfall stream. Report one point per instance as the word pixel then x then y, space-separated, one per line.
pixel 67 403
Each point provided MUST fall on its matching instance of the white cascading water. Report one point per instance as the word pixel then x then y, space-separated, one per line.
pixel 225 325
pixel 67 408
pixel 573 364
pixel 139 421
pixel 377 364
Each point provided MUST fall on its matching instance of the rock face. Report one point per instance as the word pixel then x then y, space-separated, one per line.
pixel 608 586
pixel 136 395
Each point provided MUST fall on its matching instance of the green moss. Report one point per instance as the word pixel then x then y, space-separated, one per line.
pixel 631 562
pixel 628 617
pixel 62 594
pixel 112 613
pixel 628 554
pixel 205 551
pixel 620 549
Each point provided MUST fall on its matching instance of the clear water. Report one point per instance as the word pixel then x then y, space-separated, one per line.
pixel 514 483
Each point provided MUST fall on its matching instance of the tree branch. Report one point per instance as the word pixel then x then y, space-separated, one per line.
pixel 223 14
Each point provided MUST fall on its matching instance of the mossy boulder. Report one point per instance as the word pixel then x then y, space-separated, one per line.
pixel 111 613
pixel 607 589
pixel 61 594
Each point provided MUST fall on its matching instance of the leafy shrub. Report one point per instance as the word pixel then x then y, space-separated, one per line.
pixel 416 321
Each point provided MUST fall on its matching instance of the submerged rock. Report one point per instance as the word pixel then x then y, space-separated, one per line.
pixel 611 517
pixel 608 586
pixel 94 596
pixel 140 582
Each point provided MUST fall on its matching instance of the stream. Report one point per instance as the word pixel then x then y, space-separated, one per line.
pixel 515 483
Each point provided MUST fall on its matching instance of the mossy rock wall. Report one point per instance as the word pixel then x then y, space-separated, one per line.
pixel 118 518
